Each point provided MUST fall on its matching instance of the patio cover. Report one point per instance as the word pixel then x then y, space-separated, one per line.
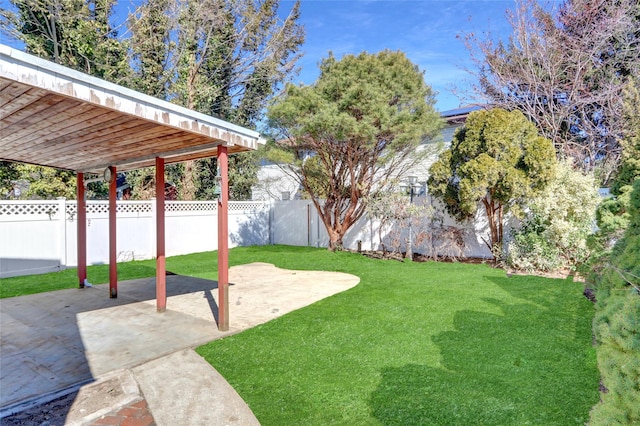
pixel 54 116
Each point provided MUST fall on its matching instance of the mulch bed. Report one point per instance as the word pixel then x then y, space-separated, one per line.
pixel 417 257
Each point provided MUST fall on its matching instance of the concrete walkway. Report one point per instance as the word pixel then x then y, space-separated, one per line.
pixel 104 354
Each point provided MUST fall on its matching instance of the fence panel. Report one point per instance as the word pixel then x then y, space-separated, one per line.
pixel 40 236
pixel 30 237
pixel 190 227
pixel 296 222
pixel 249 223
pixel 291 223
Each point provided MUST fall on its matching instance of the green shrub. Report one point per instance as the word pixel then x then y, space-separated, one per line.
pixel 531 251
pixel 612 217
pixel 617 326
pixel 557 225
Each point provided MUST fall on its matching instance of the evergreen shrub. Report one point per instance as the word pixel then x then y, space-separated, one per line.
pixel 557 225
pixel 617 327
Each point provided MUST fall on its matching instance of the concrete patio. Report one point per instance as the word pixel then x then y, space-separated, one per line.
pixel 111 352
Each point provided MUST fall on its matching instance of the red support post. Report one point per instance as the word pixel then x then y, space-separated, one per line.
pixel 81 219
pixel 223 241
pixel 113 265
pixel 161 267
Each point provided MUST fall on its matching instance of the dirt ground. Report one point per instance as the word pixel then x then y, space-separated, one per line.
pixel 52 413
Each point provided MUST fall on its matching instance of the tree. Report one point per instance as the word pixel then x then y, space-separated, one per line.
pixel 74 33
pixel 243 171
pixel 227 59
pixel 498 159
pixel 629 169
pixel 48 183
pixel 8 174
pixel 143 181
pixel 615 274
pixel 616 327
pixel 565 72
pixel 150 27
pixel 613 212
pixel 352 131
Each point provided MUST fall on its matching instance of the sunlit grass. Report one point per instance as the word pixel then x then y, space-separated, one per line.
pixel 416 343
pixel 412 344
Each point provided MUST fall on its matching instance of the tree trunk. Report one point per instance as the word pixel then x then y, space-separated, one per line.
pixel 335 243
pixel 335 230
pixel 188 181
pixel 494 213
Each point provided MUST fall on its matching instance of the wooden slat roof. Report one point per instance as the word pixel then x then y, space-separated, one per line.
pixel 54 116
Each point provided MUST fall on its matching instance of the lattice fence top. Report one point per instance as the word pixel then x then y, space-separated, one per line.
pixel 101 207
pixel 71 209
pixel 190 206
pixel 135 207
pixel 30 208
pixel 246 206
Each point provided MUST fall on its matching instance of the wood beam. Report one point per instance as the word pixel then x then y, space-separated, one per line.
pixel 81 220
pixel 223 241
pixel 161 267
pixel 113 254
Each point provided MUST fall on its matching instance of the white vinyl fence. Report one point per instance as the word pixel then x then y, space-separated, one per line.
pixel 40 236
pixel 297 222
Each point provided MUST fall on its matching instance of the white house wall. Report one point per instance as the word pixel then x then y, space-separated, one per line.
pixel 272 182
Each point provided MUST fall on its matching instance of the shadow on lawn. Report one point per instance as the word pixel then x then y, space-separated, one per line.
pixel 514 368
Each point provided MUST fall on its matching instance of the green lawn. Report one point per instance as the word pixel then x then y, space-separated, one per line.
pixel 413 343
pixel 417 343
pixel 68 278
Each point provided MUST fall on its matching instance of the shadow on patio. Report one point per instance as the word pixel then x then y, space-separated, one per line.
pixel 57 340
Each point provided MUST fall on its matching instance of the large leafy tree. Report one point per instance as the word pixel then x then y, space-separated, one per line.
pixel 150 27
pixel 613 213
pixel 565 70
pixel 351 132
pixel 616 326
pixel 47 182
pixel 629 169
pixel 497 159
pixel 557 224
pixel 74 33
pixel 8 173
pixel 226 59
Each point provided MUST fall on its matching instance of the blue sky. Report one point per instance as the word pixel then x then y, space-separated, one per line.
pixel 425 30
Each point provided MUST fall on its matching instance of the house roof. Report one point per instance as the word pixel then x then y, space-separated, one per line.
pixel 459 115
pixel 54 116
